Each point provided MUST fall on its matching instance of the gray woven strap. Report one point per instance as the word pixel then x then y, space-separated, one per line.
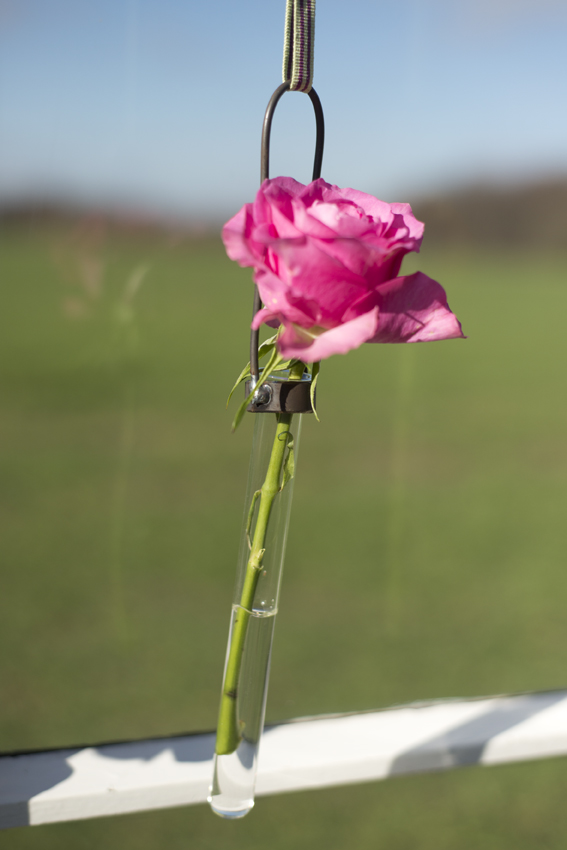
pixel 299 39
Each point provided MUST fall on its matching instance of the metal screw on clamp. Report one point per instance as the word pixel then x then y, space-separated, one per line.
pixel 262 396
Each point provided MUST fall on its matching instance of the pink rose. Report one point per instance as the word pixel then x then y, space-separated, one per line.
pixel 326 263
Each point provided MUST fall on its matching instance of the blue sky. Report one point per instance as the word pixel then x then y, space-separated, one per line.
pixel 158 104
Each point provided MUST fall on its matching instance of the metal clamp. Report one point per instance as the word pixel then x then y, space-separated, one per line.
pixel 281 396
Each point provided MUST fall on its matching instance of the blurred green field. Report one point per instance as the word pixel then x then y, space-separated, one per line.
pixel 426 553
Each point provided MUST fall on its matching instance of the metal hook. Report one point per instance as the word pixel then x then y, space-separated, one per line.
pixel 267 129
pixel 264 175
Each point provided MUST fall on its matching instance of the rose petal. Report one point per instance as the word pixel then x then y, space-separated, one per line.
pixel 317 191
pixel 376 262
pixel 236 238
pixel 278 298
pixel 414 227
pixel 314 275
pixel 414 309
pixel 289 185
pixel 339 219
pixel 378 210
pixel 297 342
pixel 265 317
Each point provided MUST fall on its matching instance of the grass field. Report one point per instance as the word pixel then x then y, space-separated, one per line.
pixel 426 553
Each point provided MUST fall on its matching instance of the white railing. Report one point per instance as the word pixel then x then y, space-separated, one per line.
pixel 72 784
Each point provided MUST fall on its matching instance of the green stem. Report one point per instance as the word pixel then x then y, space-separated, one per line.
pixel 228 731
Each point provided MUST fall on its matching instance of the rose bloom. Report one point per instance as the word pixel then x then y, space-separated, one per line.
pixel 326 262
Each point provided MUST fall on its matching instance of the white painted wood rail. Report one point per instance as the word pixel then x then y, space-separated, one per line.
pixel 62 785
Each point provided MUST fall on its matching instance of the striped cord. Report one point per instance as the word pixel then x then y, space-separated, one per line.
pixel 299 40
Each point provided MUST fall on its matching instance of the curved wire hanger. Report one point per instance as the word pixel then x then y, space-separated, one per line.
pixel 264 175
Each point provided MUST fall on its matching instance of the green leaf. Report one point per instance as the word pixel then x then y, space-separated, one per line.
pixel 315 367
pixel 242 410
pixel 272 363
pixel 265 347
pixel 289 462
pixel 250 519
pixel 242 377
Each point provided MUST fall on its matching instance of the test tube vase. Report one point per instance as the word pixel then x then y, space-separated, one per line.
pixel 254 610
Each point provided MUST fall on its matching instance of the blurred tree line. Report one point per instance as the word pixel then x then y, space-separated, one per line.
pixel 527 215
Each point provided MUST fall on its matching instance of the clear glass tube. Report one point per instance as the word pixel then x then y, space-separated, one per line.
pixel 254 609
